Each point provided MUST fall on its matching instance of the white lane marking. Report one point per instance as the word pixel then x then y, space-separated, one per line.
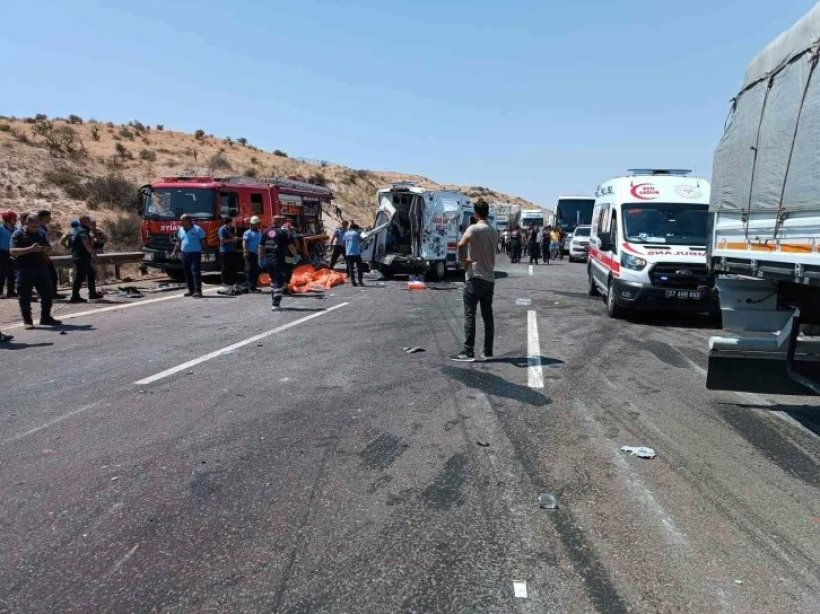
pixel 535 375
pixel 25 434
pixel 196 361
pixel 124 559
pixel 520 589
pixel 530 271
pixel 89 312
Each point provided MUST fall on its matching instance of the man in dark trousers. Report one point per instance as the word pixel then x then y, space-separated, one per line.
pixel 228 252
pixel 188 240
pixel 277 244
pixel 251 241
pixel 29 248
pixel 476 251
pixel 338 244
pixel 7 275
pixel 83 255
pixel 353 254
pixel 44 215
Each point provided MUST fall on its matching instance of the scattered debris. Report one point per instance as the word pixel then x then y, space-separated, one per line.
pixel 738 582
pixel 374 276
pixel 413 350
pixel 639 451
pixel 523 301
pixel 483 444
pixel 129 292
pixel 62 332
pixel 114 479
pixel 416 285
pixel 520 589
pixel 547 501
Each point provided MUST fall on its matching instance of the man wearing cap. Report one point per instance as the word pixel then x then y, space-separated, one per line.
pixel 227 251
pixel 29 246
pixel 251 248
pixel 188 240
pixel 7 229
pixel 83 254
pixel 277 244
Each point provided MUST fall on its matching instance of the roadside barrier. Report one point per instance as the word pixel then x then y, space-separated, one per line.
pixel 64 263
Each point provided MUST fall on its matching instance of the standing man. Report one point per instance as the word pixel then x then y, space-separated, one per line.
pixel 44 215
pixel 338 244
pixel 555 242
pixel 227 251
pixel 353 254
pixel 534 246
pixel 188 240
pixel 7 228
pixel 545 244
pixel 83 254
pixel 476 251
pixel 251 240
pixel 29 246
pixel 277 244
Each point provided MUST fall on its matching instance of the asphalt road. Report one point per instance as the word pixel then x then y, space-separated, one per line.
pixel 310 465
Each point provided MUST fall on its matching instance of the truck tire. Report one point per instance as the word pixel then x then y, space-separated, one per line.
pixel 592 289
pixel 613 310
pixel 436 271
pixel 385 270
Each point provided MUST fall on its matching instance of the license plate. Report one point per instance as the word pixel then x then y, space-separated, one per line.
pixel 685 294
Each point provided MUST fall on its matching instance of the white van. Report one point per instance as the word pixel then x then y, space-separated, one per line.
pixel 416 230
pixel 648 243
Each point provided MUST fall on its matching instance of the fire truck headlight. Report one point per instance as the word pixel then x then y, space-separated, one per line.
pixel 632 262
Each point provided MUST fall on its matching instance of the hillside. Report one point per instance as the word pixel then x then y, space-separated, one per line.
pixel 71 165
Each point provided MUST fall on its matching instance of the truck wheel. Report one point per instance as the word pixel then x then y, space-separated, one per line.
pixel 613 310
pixel 437 271
pixel 386 271
pixel 592 289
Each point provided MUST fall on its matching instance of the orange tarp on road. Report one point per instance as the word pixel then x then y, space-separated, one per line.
pixel 307 279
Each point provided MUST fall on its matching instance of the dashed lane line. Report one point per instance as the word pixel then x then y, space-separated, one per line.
pixel 226 350
pixel 535 373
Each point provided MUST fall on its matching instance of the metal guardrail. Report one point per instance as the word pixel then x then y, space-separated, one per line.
pixel 62 263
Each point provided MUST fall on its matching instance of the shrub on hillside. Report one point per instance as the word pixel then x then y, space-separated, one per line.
pixel 160 127
pixel 113 190
pixel 242 141
pixel 68 181
pixel 110 124
pixel 148 155
pixel 5 128
pixel 95 133
pixel 124 233
pixel 254 160
pixel 126 133
pixel 21 137
pixel 40 117
pixel 60 140
pixel 251 172
pixel 218 162
pixel 138 126
pixel 199 135
pixel 122 152
pixel 75 119
pixel 280 153
pixel 317 179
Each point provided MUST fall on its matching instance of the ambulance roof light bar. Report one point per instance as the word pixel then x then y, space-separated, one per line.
pixel 682 172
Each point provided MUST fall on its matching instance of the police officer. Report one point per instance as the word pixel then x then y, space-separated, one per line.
pixel 277 245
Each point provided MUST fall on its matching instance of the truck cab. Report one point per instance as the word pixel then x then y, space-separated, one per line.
pixel 647 246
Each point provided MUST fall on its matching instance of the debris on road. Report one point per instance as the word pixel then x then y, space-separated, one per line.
pixel 416 285
pixel 523 301
pixel 639 451
pixel 413 350
pixel 520 589
pixel 483 444
pixel 129 292
pixel 547 501
pixel 374 276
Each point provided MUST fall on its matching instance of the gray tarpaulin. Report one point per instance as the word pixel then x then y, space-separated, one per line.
pixel 780 95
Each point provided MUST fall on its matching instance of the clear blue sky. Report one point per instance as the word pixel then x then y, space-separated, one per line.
pixel 538 98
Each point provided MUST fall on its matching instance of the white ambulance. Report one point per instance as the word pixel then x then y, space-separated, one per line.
pixel 647 246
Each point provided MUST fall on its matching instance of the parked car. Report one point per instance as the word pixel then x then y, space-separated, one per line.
pixel 578 244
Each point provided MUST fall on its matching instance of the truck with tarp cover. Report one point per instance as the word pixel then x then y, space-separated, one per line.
pixel 764 220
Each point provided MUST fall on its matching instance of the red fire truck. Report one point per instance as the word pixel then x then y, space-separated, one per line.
pixel 209 199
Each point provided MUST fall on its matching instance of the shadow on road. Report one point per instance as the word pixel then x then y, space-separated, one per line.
pixel 523 361
pixel 806 415
pixel 694 320
pixel 493 385
pixel 14 345
pixel 66 327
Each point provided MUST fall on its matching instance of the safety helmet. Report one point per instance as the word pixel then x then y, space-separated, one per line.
pixel 255 220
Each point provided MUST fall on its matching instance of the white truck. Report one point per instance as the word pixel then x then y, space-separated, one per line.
pixel 765 223
pixel 416 231
pixel 532 218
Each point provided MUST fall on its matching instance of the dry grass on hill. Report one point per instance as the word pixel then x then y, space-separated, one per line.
pixel 70 165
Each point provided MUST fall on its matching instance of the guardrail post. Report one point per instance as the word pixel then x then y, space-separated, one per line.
pixel 117 271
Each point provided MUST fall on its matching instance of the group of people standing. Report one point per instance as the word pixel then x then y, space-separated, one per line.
pixel 26 265
pixel 347 245
pixel 536 242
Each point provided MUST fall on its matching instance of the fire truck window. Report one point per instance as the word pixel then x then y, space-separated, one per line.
pixel 228 204
pixel 256 204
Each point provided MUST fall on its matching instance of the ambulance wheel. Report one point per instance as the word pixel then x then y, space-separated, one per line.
pixel 613 310
pixel 592 290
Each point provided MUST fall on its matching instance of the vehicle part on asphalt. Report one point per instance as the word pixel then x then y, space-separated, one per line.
pixel 639 451
pixel 483 444
pixel 413 350
pixel 547 501
pixel 523 301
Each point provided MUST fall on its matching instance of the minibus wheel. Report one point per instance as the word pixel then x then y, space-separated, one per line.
pixel 613 310
pixel 592 290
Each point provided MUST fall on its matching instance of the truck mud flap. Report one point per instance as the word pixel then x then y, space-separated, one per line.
pixel 768 374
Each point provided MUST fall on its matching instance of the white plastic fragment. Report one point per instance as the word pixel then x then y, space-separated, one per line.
pixel 520 589
pixel 639 451
pixel 523 301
